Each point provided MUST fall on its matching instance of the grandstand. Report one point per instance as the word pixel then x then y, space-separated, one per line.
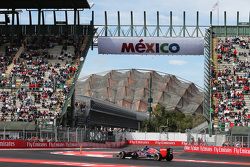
pixel 230 82
pixel 36 79
pixel 39 67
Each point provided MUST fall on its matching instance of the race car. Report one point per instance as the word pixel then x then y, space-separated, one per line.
pixel 149 153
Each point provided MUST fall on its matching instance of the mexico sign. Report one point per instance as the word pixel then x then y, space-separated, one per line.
pixel 150 45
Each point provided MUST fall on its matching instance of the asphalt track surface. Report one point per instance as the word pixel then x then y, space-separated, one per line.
pixel 44 158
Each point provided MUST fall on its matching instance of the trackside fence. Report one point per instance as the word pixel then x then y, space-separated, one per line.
pixel 188 138
pixel 59 134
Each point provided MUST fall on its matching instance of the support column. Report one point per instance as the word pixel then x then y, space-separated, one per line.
pixel 17 18
pixel 145 24
pixel 131 24
pixel 197 23
pixel 7 19
pixel 30 17
pixel 43 18
pixel 75 22
pixel 211 18
pixel 171 24
pixel 106 23
pixel 73 114
pixel 93 17
pixel 150 99
pixel 91 30
pixel 184 24
pixel 54 14
pixel 66 17
pixel 12 25
pixel 119 24
pixel 39 17
pixel 78 17
pixel 249 19
pixel 13 16
pixel 158 25
pixel 225 23
pixel 238 20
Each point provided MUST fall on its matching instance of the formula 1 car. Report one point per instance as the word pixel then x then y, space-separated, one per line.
pixel 149 153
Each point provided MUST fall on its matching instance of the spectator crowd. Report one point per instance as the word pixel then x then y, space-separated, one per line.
pixel 35 82
pixel 230 82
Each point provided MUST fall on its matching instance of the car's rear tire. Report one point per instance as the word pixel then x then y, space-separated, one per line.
pixel 135 155
pixel 169 157
pixel 122 155
pixel 157 157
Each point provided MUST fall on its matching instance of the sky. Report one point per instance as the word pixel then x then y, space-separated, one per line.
pixel 188 67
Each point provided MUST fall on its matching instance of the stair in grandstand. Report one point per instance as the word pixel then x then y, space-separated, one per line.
pixel 215 61
pixel 203 126
pixel 216 68
pixel 10 67
pixel 84 49
pixel 216 122
pixel 247 100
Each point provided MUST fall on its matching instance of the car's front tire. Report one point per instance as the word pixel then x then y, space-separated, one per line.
pixel 157 157
pixel 122 155
pixel 135 155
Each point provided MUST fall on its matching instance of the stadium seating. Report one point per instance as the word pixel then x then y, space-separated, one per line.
pixel 36 77
pixel 230 82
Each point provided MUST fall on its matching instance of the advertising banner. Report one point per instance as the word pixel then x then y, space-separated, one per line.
pixel 151 45
pixel 15 144
pixel 218 150
pixel 8 144
pixel 156 142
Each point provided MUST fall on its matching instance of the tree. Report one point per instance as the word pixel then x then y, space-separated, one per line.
pixel 175 120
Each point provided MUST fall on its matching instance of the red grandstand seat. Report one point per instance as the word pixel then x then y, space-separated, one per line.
pixel 231 124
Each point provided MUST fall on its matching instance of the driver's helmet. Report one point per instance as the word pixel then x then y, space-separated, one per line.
pixel 145 148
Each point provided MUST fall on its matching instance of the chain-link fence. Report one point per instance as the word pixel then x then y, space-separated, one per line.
pixel 237 141
pixel 66 134
pixel 218 139
pixel 198 138
pixel 59 134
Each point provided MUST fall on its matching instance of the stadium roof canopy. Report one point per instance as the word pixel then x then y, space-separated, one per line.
pixel 102 113
pixel 44 4
pixel 129 88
